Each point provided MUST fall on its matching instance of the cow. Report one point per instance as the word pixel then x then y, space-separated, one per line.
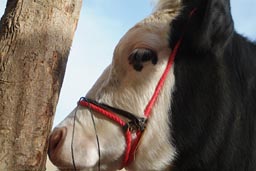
pixel 179 95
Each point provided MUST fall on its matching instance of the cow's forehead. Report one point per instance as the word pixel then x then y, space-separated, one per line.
pixel 150 33
pixel 161 17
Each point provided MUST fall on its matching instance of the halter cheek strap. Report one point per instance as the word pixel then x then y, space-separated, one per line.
pixel 135 125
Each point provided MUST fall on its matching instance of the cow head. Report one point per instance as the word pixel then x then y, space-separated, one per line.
pixel 127 83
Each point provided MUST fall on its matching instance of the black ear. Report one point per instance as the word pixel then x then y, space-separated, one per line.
pixel 210 27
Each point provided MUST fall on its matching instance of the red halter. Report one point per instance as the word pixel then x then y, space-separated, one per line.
pixel 132 127
pixel 136 124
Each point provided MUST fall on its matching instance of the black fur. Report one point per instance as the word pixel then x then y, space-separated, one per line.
pixel 214 103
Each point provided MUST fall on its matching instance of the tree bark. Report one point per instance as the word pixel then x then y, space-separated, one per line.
pixel 35 39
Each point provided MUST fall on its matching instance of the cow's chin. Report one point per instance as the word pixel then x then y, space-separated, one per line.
pixel 82 161
pixel 86 159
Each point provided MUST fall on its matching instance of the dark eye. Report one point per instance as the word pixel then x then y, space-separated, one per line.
pixel 140 56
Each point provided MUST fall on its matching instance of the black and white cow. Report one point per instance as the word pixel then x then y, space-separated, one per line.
pixel 204 118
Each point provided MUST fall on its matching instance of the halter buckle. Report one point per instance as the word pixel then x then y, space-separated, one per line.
pixel 136 125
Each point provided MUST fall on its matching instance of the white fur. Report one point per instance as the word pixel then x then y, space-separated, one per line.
pixel 167 5
pixel 123 87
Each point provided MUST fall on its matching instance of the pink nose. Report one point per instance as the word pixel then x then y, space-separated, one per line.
pixel 56 141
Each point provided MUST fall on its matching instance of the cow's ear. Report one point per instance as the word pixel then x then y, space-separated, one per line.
pixel 210 27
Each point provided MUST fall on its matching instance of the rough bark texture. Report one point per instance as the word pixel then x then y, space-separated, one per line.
pixel 35 38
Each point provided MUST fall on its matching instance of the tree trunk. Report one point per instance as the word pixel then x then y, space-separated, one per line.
pixel 35 38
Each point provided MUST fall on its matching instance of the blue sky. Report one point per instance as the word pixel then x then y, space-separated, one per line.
pixel 102 23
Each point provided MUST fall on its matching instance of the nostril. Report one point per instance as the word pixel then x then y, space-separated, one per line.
pixel 56 139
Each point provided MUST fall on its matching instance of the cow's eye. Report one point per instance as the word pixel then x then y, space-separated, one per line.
pixel 140 56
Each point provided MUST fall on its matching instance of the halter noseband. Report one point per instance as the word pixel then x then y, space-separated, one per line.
pixel 134 122
pixel 134 125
